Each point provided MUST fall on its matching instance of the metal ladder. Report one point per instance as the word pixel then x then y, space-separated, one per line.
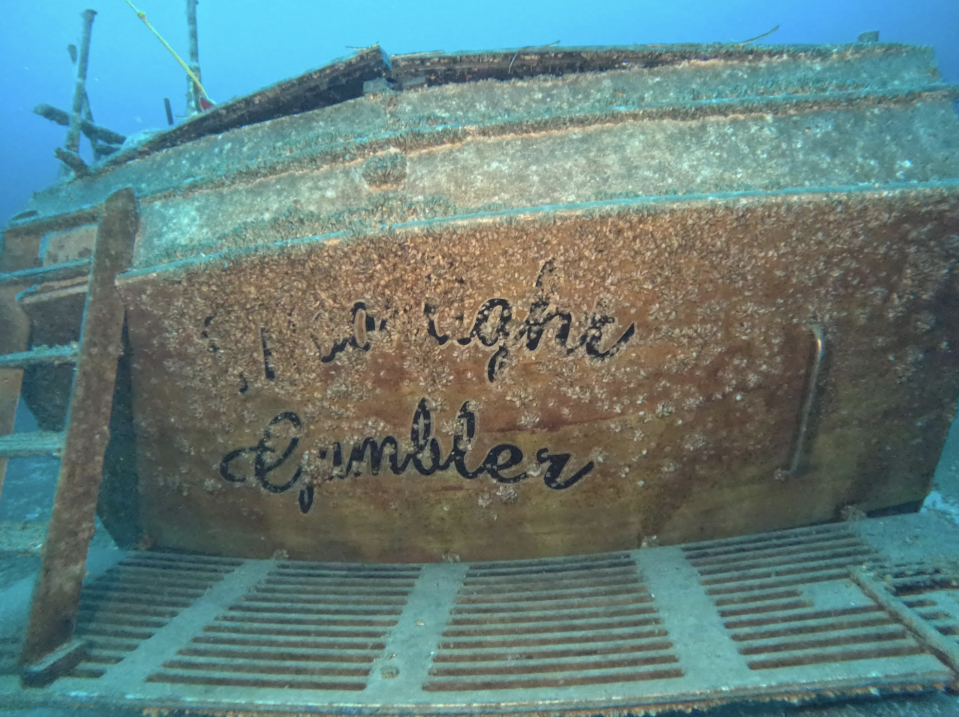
pixel 48 646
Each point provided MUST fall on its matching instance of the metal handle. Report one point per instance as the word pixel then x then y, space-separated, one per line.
pixel 809 403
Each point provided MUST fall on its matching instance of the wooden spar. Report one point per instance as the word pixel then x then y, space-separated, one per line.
pixel 88 117
pixel 73 160
pixel 192 91
pixel 80 89
pixel 91 130
pixel 87 112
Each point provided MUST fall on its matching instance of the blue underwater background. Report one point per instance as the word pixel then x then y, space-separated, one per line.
pixel 246 44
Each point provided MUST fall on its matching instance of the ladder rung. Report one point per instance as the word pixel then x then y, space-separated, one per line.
pixel 54 272
pixel 55 355
pixel 20 445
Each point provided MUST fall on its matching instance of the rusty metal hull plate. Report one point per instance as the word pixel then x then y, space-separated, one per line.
pixel 768 617
pixel 574 380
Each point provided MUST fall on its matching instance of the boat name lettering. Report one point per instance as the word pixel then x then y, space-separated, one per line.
pixel 281 438
pixel 493 326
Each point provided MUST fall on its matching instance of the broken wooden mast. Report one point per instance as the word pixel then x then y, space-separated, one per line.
pixel 193 90
pixel 71 147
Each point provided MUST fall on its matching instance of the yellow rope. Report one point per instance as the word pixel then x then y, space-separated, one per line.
pixel 196 80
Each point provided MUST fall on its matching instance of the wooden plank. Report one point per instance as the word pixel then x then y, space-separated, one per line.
pixel 19 445
pixel 55 355
pixel 20 251
pixel 56 272
pixel 335 82
pixel 56 597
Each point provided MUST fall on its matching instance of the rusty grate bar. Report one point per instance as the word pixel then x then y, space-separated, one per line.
pixel 924 600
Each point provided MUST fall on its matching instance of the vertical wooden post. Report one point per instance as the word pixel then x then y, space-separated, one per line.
pixel 56 597
pixel 193 92
pixel 88 116
pixel 80 88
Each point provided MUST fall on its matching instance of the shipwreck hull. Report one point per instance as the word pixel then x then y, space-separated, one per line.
pixel 547 384
pixel 646 298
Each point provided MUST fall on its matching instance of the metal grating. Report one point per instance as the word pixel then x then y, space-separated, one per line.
pixel 131 601
pixel 779 616
pixel 306 626
pixel 529 624
pixel 769 591
pixel 745 569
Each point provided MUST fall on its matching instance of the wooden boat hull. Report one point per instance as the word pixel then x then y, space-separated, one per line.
pixel 547 383
pixel 522 304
